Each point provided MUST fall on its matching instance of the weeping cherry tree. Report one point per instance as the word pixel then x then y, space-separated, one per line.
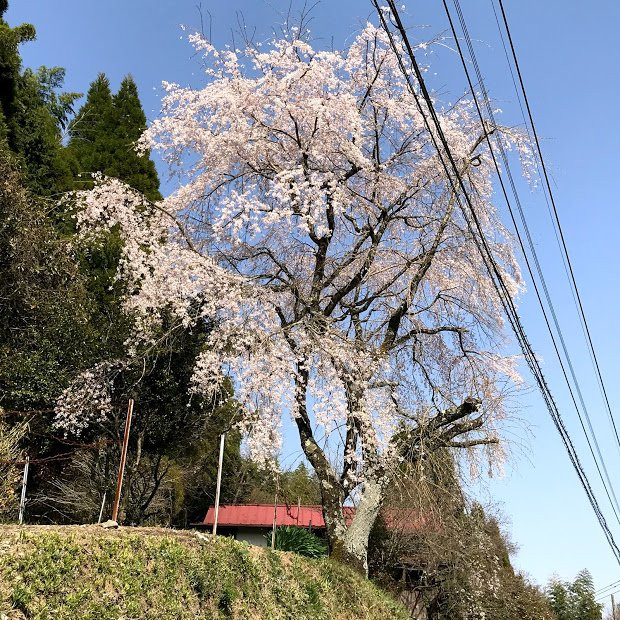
pixel 315 230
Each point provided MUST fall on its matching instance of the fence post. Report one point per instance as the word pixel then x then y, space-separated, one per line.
pixel 102 505
pixel 275 512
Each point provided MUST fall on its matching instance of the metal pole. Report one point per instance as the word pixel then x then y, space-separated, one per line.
pixel 275 513
pixel 102 505
pixel 22 501
pixel 219 483
pixel 121 468
pixel 613 608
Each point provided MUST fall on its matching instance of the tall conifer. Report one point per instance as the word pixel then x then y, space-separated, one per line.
pixel 137 171
pixel 92 128
pixel 103 134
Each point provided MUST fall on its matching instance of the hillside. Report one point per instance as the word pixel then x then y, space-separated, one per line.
pixel 87 572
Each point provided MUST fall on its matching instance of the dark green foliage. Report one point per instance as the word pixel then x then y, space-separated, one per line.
pixel 137 171
pixel 172 459
pixel 10 63
pixel 91 131
pixel 60 307
pixel 34 132
pixel 103 134
pixel 559 600
pixel 298 540
pixel 44 331
pixel 59 104
pixel 32 113
pixel 292 486
pixel 576 600
pixel 46 335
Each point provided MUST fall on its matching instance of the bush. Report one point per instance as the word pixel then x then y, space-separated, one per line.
pixel 298 540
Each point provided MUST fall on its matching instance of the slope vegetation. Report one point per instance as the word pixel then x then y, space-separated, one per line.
pixel 86 572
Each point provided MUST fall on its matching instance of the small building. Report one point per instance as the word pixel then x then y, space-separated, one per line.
pixel 252 522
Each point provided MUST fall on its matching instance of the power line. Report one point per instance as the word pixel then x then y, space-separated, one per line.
pixel 490 264
pixel 601 597
pixel 558 225
pixel 608 486
pixel 607 587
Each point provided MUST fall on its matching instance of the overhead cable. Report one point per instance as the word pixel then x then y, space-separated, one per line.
pixel 600 462
pixel 556 220
pixel 482 245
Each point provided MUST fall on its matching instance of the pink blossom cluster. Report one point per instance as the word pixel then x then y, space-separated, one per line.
pixel 317 230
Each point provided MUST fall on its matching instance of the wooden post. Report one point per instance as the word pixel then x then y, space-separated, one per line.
pixel 121 468
pixel 613 608
pixel 219 483
pixel 22 501
pixel 102 505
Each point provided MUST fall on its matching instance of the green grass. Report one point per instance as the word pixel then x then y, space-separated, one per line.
pixel 73 573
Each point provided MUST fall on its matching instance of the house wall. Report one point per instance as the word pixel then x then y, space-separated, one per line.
pixel 253 535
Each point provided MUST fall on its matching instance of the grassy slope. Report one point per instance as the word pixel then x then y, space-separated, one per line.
pixel 87 572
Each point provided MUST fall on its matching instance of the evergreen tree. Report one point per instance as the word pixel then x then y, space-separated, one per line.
pixel 136 170
pixel 90 132
pixel 260 486
pixel 35 131
pixel 32 114
pixel 582 591
pixel 574 601
pixel 10 66
pixel 103 134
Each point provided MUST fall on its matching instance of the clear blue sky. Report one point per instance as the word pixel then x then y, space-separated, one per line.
pixel 569 54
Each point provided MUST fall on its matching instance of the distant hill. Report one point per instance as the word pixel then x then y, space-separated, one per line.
pixel 87 572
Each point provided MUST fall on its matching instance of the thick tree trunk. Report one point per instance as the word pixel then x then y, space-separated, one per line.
pixel 332 492
pixel 347 544
pixel 352 548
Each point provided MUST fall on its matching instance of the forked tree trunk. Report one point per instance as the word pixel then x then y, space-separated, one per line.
pixel 352 547
pixel 348 545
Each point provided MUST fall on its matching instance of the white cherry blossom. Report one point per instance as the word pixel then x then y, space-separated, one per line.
pixel 316 231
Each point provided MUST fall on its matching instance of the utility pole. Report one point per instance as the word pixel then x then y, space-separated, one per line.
pixel 22 501
pixel 613 608
pixel 121 468
pixel 219 483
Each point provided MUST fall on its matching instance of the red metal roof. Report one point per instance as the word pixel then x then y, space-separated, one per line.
pixel 261 515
